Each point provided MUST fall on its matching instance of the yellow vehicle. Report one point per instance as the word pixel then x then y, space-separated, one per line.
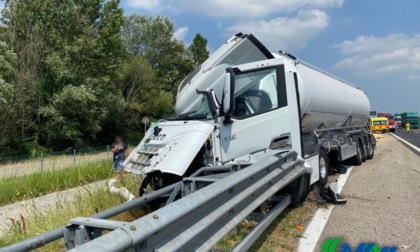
pixel 379 124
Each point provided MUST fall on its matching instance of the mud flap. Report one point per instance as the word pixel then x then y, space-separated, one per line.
pixel 329 194
pixel 333 195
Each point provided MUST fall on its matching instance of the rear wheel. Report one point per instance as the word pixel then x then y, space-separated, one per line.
pixel 324 168
pixel 370 149
pixel 358 158
pixel 364 149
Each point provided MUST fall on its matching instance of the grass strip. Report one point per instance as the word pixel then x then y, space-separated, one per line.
pixel 33 185
pixel 84 203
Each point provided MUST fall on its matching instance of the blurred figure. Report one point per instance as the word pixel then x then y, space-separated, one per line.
pixel 408 127
pixel 119 149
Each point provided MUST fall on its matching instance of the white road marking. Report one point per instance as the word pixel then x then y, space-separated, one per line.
pixel 409 144
pixel 314 230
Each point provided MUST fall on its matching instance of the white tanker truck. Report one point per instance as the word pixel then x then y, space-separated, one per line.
pixel 244 104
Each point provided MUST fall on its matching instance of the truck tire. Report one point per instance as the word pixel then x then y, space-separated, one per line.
pixel 371 149
pixel 298 190
pixel 358 158
pixel 364 148
pixel 324 168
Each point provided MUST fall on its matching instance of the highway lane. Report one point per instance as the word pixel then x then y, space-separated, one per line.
pixel 382 200
pixel 413 137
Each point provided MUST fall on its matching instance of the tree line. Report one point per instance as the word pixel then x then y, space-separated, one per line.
pixel 73 73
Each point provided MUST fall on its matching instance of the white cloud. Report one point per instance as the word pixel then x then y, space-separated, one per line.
pixel 279 24
pixel 283 32
pixel 246 9
pixel 395 53
pixel 414 76
pixel 181 33
pixel 149 5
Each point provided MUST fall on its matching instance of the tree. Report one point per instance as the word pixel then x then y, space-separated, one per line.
pixel 60 44
pixel 153 39
pixel 8 64
pixel 142 93
pixel 198 50
pixel 74 117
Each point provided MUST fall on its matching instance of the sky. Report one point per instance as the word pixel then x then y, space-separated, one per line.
pixel 374 44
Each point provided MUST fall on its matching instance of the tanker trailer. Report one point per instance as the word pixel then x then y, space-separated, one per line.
pixel 245 104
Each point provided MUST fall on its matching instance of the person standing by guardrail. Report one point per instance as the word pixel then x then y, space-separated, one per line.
pixel 120 152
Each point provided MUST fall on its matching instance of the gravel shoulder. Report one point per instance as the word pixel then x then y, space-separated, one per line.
pixel 40 204
pixel 383 200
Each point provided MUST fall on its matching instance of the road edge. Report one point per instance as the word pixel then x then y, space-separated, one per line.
pixel 310 237
pixel 407 144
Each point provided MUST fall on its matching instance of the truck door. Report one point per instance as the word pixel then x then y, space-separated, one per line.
pixel 261 117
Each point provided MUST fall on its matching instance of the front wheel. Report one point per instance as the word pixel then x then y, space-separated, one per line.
pixel 298 190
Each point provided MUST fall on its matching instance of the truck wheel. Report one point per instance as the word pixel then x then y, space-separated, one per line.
pixel 324 168
pixel 298 190
pixel 370 149
pixel 364 149
pixel 358 158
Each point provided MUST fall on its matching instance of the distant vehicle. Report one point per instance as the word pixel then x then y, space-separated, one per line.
pixel 412 118
pixel 397 120
pixel 372 114
pixel 391 120
pixel 379 124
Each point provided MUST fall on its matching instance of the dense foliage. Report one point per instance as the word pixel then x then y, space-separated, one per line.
pixel 74 73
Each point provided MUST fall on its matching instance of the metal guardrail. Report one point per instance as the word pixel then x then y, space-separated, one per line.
pixel 195 222
pixel 58 233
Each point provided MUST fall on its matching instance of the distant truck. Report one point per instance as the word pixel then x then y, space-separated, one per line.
pixel 397 120
pixel 379 124
pixel 391 120
pixel 412 118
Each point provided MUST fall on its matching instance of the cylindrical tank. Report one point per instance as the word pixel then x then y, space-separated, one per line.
pixel 327 102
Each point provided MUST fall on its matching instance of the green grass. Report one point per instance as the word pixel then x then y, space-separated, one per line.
pixel 33 185
pixel 281 235
pixel 84 203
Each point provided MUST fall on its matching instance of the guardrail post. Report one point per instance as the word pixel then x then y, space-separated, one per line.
pixel 74 157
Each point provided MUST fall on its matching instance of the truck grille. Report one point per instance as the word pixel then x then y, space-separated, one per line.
pixel 143 159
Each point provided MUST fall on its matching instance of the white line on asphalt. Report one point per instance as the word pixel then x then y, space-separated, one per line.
pixel 314 230
pixel 409 144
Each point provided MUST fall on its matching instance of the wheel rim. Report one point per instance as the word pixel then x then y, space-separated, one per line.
pixel 359 152
pixel 369 147
pixel 322 167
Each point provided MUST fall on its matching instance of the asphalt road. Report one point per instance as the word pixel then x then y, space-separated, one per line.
pixel 383 200
pixel 413 137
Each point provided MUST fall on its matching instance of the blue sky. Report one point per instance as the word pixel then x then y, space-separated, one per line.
pixel 374 44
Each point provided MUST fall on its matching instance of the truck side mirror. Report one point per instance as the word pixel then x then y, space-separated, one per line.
pixel 228 95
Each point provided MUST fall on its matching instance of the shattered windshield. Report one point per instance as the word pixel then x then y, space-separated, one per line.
pixel 203 113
